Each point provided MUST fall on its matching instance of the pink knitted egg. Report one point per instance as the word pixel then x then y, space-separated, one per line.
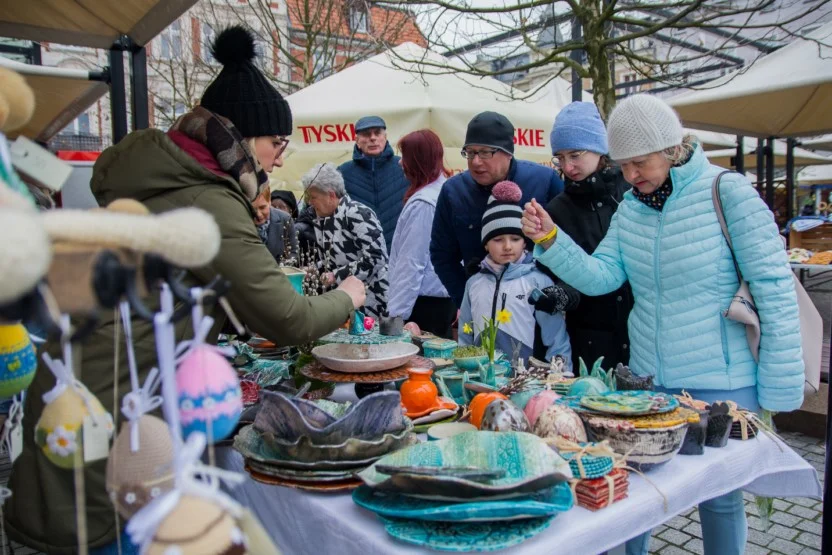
pixel 210 399
pixel 539 403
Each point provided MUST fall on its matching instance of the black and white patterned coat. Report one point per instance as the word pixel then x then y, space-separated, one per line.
pixel 351 242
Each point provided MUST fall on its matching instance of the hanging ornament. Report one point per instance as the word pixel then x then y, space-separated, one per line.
pixel 209 395
pixel 195 518
pixel 18 361
pixel 60 430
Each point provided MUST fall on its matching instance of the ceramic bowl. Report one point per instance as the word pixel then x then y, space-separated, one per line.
pixel 471 364
pixel 465 537
pixel 645 448
pixel 455 379
pixel 290 419
pixel 250 444
pixel 529 463
pixel 295 276
pixel 449 429
pixel 356 359
pixel 351 449
pixel 504 416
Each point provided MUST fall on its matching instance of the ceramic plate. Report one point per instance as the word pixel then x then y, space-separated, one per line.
pixel 353 448
pixel 359 359
pixel 435 416
pixel 630 403
pixel 529 463
pixel 320 487
pixel 249 443
pixel 442 403
pixel 465 537
pixel 342 335
pixel 545 503
pixel 318 371
pixel 285 474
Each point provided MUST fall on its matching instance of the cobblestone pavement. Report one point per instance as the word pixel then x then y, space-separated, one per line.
pixel 795 525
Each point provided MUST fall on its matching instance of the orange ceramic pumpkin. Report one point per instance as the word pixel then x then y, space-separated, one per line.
pixel 479 403
pixel 418 392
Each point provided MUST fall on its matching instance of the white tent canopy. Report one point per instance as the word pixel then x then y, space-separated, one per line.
pixel 802 157
pixel 816 175
pixel 408 97
pixel 783 94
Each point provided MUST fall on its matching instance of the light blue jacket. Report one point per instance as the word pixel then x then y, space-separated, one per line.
pixel 411 271
pixel 680 269
pixel 488 292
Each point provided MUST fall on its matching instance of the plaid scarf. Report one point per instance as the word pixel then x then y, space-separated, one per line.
pixel 228 146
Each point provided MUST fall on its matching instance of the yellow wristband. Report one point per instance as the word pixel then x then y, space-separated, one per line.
pixel 548 237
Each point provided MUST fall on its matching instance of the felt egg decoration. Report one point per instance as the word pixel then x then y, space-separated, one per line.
pixel 210 399
pixel 197 526
pixel 18 361
pixel 135 478
pixel 560 421
pixel 59 431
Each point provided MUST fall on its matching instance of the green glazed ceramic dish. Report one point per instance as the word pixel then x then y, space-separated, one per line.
pixel 465 537
pixel 630 403
pixel 545 503
pixel 529 463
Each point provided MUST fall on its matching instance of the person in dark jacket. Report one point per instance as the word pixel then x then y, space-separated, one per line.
pixel 593 188
pixel 374 176
pixel 275 228
pixel 286 201
pixel 455 237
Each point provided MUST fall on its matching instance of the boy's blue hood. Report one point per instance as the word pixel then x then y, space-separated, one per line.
pixel 513 270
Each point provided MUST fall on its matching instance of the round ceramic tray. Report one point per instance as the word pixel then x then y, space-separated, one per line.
pixel 363 359
pixel 630 403
pixel 342 335
pixel 651 421
pixel 317 371
pixel 320 487
pixel 295 476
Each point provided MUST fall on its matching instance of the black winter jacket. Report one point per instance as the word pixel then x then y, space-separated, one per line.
pixel 597 326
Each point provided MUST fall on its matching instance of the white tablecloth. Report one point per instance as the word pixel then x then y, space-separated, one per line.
pixel 302 522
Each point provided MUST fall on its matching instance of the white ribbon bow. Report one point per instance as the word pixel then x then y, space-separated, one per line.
pixel 65 379
pixel 192 478
pixel 140 402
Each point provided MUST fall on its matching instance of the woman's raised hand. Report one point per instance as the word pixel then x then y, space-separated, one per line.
pixel 536 221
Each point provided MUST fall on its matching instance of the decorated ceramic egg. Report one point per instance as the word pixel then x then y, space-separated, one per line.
pixel 588 386
pixel 210 399
pixel 135 478
pixel 17 359
pixel 479 403
pixel 560 421
pixel 504 416
pixel 197 526
pixel 539 403
pixel 59 430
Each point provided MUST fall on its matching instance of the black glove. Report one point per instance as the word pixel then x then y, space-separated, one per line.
pixel 473 267
pixel 556 298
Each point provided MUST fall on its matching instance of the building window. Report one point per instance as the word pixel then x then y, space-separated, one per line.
pixel 171 42
pixel 359 20
pixel 208 36
pixel 167 112
pixel 78 126
pixel 630 89
pixel 321 64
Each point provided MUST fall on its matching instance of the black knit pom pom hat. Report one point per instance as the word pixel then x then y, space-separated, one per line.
pixel 241 92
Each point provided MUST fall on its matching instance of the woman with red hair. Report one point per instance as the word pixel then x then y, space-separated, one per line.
pixel 415 292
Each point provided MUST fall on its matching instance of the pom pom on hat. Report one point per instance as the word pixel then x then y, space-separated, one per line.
pixel 234 45
pixel 507 191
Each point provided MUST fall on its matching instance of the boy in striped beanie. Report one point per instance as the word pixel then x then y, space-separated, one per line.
pixel 508 287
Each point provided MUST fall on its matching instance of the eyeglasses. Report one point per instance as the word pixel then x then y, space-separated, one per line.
pixel 284 142
pixel 570 158
pixel 483 154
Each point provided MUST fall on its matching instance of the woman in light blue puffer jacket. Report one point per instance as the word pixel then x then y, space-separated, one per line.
pixel 665 240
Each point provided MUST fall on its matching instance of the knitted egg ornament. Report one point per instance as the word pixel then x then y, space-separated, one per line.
pixel 507 191
pixel 17 360
pixel 59 431
pixel 210 399
pixel 135 478
pixel 197 526
pixel 559 421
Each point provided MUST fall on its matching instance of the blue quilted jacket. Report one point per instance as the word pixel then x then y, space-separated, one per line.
pixel 379 183
pixel 680 269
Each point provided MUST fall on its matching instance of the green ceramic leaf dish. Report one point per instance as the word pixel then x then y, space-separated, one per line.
pixel 630 403
pixel 529 463
pixel 461 537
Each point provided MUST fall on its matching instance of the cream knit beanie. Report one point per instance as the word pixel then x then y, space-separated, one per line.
pixel 641 124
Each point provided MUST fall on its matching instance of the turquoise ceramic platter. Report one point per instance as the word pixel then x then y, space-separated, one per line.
pixel 530 466
pixel 545 503
pixel 630 403
pixel 465 537
pixel 250 444
pixel 342 335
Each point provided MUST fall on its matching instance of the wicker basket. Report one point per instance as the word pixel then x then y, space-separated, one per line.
pixel 645 448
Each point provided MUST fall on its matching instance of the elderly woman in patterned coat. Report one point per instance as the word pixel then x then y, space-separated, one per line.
pixel 349 239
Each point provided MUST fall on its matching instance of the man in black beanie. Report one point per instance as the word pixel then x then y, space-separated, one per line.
pixel 457 223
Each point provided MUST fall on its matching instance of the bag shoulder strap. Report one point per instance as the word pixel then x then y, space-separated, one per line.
pixel 720 215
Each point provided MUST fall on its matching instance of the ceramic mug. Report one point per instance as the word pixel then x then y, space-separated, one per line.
pixel 418 392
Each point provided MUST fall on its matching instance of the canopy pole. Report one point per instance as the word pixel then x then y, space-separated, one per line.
pixel 118 95
pixel 138 84
pixel 826 525
pixel 770 173
pixel 790 144
pixel 576 55
pixel 760 166
pixel 740 164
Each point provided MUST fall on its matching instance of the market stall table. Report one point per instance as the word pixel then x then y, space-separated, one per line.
pixel 303 522
pixel 808 271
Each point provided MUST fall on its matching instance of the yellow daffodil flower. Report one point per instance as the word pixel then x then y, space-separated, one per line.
pixel 504 317
pixel 466 328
